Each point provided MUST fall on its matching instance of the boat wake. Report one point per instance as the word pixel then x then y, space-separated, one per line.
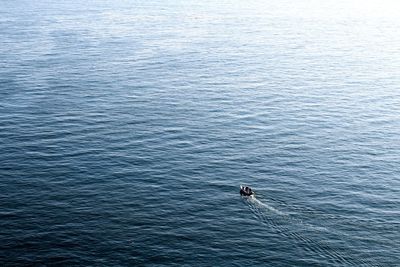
pixel 297 230
pixel 259 205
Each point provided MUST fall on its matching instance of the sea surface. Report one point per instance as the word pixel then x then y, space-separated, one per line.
pixel 127 127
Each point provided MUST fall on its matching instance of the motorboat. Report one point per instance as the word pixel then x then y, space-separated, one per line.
pixel 246 191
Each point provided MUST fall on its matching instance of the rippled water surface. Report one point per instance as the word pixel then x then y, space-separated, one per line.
pixel 126 128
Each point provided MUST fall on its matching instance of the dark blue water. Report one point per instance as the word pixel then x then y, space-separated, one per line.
pixel 126 128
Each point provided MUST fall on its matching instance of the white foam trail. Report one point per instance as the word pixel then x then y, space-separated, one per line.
pixel 260 204
pixel 283 223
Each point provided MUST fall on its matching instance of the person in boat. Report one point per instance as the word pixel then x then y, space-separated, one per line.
pixel 246 191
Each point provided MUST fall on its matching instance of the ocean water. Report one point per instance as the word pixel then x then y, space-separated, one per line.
pixel 126 128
